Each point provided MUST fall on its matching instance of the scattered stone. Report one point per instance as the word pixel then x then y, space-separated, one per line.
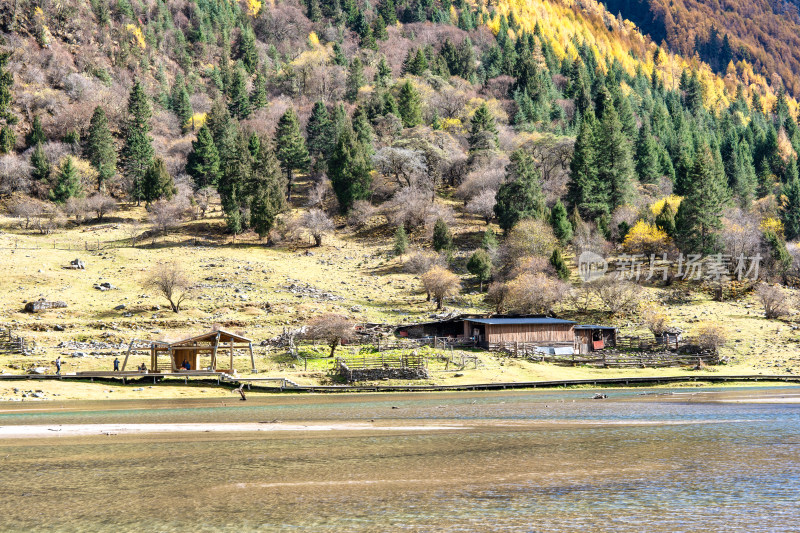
pixel 77 264
pixel 42 305
pixel 599 396
pixel 105 286
pixel 120 307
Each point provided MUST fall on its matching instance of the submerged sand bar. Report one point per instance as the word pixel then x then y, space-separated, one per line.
pixel 76 430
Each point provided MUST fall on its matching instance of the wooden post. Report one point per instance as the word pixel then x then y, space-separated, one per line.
pixel 252 359
pixel 231 355
pixel 172 360
pixel 214 354
pixel 125 362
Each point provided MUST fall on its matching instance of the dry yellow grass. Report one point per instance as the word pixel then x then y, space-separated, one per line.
pixel 358 270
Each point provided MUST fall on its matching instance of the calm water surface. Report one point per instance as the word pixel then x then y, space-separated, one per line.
pixel 648 461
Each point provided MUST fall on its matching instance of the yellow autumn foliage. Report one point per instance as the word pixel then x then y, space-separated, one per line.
pixel 453 125
pixel 253 7
pixel 772 224
pixel 673 200
pixel 313 40
pixel 138 36
pixel 196 122
pixel 645 238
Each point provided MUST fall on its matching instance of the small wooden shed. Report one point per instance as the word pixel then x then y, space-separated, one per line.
pixel 212 344
pixel 590 338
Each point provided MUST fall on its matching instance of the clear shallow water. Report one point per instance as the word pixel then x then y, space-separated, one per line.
pixel 525 461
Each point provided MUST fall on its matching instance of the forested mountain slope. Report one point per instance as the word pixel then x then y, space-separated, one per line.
pixel 549 119
pixel 765 33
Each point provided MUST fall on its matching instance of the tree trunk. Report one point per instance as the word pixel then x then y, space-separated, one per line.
pixel 334 344
pixel 288 184
pixel 439 304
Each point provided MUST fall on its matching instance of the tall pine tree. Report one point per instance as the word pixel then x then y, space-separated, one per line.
pixel 100 149
pixel 699 217
pixel 292 151
pixel 202 163
pixel 349 169
pixel 68 183
pixel 137 153
pixel 521 196
pixel 613 159
pixel 158 183
pixel 410 105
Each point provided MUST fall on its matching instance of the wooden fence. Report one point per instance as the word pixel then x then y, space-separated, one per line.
pixel 615 359
pixel 11 343
pixel 369 361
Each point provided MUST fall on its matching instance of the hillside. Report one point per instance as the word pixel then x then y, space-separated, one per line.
pixel 763 33
pixel 385 162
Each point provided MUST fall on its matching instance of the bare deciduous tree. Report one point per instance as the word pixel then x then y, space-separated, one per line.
pixel 361 213
pixel 400 165
pixel 314 223
pixel 332 329
pixel 166 214
pixel 711 336
pixel 482 205
pixel 616 295
pixel 439 283
pixel 170 281
pixel 26 208
pixel 773 299
pixel 420 261
pixel 101 205
pixel 534 294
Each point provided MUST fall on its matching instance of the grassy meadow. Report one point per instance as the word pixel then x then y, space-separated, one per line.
pixel 243 285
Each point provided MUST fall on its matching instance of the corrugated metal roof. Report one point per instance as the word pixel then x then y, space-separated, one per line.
pixel 502 321
pixel 593 326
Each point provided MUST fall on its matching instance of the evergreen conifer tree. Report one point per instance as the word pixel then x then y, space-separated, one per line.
pixel 36 135
pixel 647 163
pixel 442 238
pixel 699 217
pixel 349 169
pixel 560 266
pixel 258 96
pixel 68 183
pixel 489 240
pixel 584 192
pixel 410 105
pixel 320 135
pixel 355 80
pixel 266 189
pixel 203 162
pixel 665 220
pixel 400 240
pixel 480 266
pixel 180 104
pixel 239 99
pixel 613 159
pixel 562 229
pixel 482 123
pixel 790 210
pixel 383 74
pixel 521 196
pixel 40 164
pixel 157 182
pixel 292 151
pixel 7 137
pixel 100 149
pixel 137 153
pixel 247 50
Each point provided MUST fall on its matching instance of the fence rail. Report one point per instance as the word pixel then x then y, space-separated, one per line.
pixel 362 362
pixel 12 343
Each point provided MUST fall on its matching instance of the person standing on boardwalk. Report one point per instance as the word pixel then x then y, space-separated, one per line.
pixel 58 365
pixel 116 364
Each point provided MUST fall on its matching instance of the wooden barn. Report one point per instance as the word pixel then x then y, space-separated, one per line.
pixel 201 351
pixel 539 330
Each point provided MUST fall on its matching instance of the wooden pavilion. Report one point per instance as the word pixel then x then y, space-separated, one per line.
pixel 188 351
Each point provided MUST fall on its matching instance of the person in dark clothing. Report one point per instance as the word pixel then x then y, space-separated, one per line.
pixel 58 365
pixel 116 364
pixel 186 365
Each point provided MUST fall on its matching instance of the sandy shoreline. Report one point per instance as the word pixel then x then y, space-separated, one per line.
pixel 76 430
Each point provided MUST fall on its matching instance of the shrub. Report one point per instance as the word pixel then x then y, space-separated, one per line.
pixel 773 299
pixel 534 294
pixel 439 283
pixel 711 336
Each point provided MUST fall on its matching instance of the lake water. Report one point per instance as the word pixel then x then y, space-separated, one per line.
pixel 641 460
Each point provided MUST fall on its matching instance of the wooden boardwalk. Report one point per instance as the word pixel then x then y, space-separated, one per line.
pixel 284 384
